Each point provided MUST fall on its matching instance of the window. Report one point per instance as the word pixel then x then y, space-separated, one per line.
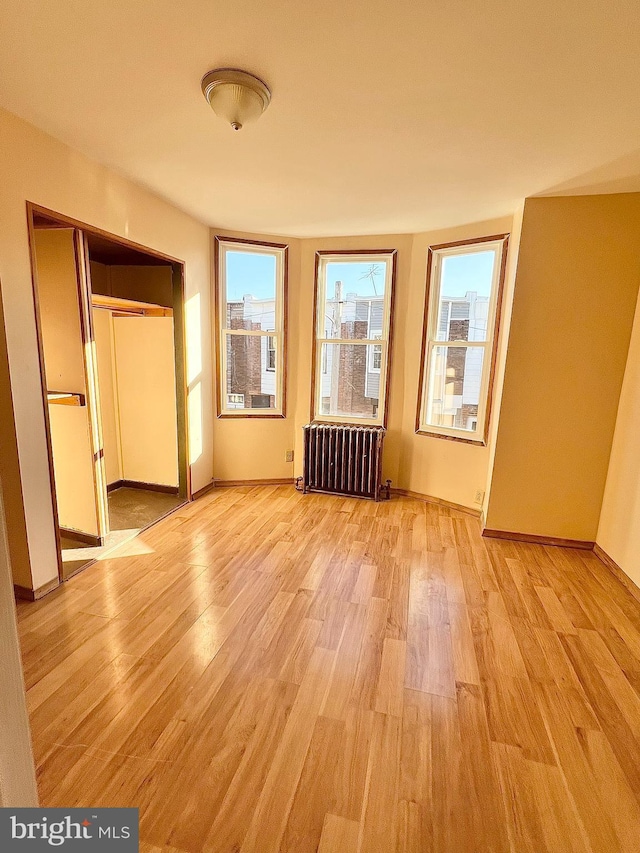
pixel 374 354
pixel 251 310
pixel 271 352
pixel 354 294
pixel 464 286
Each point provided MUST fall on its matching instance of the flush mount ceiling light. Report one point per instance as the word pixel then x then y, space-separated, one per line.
pixel 236 96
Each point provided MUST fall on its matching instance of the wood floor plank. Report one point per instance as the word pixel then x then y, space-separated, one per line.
pixel 578 776
pixel 559 619
pixel 451 791
pixel 523 821
pixel 390 688
pixel 313 795
pixel 351 776
pixel 483 791
pixel 338 835
pixel 277 672
pixel 230 824
pixel 614 790
pixel 272 810
pixel 379 824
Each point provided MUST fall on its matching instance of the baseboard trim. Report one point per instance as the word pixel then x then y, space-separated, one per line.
pixel 203 491
pixel 222 484
pixel 580 544
pixel 475 513
pixel 79 536
pixel 621 575
pixel 138 484
pixel 26 594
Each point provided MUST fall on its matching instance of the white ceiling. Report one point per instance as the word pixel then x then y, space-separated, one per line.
pixel 387 115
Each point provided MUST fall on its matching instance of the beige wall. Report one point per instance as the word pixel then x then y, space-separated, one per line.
pixel 503 344
pixel 575 294
pixel 146 389
pixel 11 492
pixel 37 168
pixel 251 449
pixel 17 775
pixel 103 335
pixel 619 528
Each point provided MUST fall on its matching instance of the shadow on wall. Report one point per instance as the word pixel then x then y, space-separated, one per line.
pixel 621 175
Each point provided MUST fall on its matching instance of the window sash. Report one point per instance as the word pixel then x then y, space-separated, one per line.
pixel 497 246
pixel 277 335
pixel 350 419
pixel 277 372
pixel 387 258
pixel 429 390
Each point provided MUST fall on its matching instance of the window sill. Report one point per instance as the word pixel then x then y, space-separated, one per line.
pixel 244 414
pixel 338 421
pixel 479 442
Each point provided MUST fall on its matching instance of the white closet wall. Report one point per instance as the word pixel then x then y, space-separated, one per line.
pixel 146 380
pixel 136 375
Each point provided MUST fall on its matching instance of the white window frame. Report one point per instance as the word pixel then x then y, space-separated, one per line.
pixel 278 334
pixel 388 258
pixel 437 254
pixel 271 349
pixel 371 353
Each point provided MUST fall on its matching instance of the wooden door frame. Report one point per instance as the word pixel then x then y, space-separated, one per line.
pixel 179 332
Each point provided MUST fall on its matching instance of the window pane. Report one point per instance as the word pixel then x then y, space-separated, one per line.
pixel 250 381
pixel 271 353
pixel 456 376
pixel 251 290
pixel 465 293
pixel 354 299
pixel 348 385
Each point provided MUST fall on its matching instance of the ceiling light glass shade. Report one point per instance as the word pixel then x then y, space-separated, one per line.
pixel 235 96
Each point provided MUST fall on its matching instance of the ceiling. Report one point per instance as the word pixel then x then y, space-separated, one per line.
pixel 386 117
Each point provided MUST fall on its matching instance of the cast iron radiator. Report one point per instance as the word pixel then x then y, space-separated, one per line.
pixel 346 460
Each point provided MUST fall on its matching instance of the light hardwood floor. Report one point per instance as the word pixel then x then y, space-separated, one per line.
pixel 266 672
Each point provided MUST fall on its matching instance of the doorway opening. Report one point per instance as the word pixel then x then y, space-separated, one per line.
pixel 111 338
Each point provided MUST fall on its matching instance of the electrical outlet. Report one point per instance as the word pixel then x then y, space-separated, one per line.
pixel 479 496
pixel 288 456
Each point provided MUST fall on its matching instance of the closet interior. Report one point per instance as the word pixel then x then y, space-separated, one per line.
pixel 111 358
